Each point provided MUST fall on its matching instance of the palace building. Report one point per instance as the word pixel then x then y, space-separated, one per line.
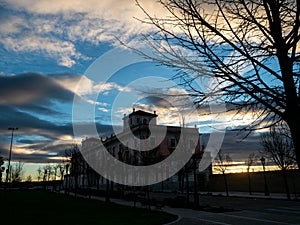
pixel 142 142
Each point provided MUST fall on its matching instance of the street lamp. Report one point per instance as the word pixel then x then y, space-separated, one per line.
pixel 10 149
pixel 263 162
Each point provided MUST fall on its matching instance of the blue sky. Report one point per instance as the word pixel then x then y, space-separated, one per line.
pixel 47 48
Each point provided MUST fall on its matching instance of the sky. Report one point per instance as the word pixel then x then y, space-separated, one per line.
pixel 57 54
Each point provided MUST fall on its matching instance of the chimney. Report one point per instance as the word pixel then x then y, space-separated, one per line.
pixel 155 112
pixel 133 109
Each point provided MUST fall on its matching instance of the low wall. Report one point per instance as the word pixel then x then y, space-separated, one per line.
pixel 239 182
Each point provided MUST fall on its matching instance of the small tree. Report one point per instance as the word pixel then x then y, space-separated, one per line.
pixel 1 168
pixel 39 174
pixel 29 179
pixel 278 146
pixel 221 164
pixel 249 162
pixel 17 172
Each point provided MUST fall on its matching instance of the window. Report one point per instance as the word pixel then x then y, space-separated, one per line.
pixel 172 142
pixel 138 120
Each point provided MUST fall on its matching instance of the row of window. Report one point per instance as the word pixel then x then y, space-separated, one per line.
pixel 171 144
pixel 139 121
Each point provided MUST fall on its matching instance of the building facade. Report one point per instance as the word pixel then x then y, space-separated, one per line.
pixel 142 143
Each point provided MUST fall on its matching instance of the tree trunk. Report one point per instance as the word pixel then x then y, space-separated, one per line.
pixel 249 183
pixel 148 197
pixel 107 191
pixel 226 185
pixel 196 196
pixel 292 109
pixel 187 187
pixel 294 126
pixel 76 184
pixel 286 184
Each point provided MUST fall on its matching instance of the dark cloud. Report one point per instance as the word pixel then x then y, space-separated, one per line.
pixel 66 76
pixel 41 109
pixel 32 88
pixel 157 102
pixel 37 134
pixel 237 147
pixel 45 146
pixel 29 124
pixel 26 141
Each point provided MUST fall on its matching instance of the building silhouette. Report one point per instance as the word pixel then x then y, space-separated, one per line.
pixel 142 142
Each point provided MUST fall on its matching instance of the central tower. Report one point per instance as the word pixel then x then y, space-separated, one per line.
pixel 137 118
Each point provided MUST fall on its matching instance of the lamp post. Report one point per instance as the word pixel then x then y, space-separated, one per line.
pixel 10 149
pixel 263 161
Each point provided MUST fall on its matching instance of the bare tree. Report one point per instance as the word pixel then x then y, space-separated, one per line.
pixel 1 168
pixel 29 179
pixel 61 170
pixel 222 162
pixel 74 156
pixel 249 162
pixel 17 172
pixel 49 170
pixel 278 146
pixel 39 173
pixel 250 47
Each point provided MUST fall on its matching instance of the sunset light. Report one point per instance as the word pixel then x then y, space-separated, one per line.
pixel 150 112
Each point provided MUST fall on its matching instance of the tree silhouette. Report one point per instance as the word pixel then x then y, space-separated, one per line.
pixel 249 162
pixel 1 168
pixel 76 161
pixel 278 146
pixel 17 172
pixel 39 173
pixel 221 164
pixel 250 47
pixel 29 179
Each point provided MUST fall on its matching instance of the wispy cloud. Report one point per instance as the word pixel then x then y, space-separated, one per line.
pixel 53 28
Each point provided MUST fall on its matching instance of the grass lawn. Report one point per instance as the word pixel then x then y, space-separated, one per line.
pixel 39 207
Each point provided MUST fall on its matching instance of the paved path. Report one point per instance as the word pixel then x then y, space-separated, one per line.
pixel 275 215
pixel 249 211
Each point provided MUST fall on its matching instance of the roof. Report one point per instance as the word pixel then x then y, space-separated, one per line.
pixel 142 113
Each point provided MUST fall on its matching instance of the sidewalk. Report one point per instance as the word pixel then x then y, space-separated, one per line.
pixel 281 196
pixel 256 209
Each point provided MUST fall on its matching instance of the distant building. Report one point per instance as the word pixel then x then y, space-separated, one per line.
pixel 139 123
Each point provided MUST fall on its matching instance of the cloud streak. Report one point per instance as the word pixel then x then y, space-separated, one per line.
pixel 31 87
pixel 40 106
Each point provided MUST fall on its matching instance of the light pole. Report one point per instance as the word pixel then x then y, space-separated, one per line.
pixel 10 149
pixel 263 161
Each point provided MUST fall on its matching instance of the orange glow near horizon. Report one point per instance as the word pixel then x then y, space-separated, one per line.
pixel 236 167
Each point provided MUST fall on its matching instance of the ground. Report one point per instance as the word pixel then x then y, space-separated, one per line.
pixel 41 207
